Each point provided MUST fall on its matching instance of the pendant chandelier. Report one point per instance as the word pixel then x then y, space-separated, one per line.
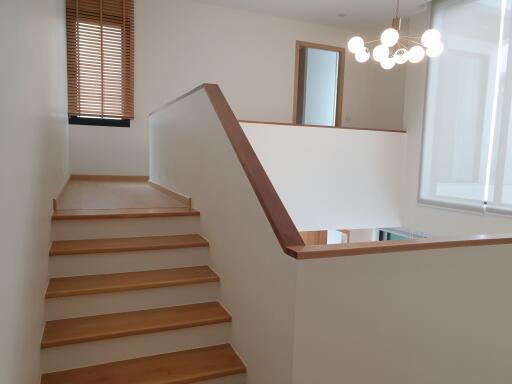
pixel 393 48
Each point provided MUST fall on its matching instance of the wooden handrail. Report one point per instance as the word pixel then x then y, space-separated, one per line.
pixel 283 226
pixel 320 126
pixel 367 248
pixel 277 215
pixel 287 234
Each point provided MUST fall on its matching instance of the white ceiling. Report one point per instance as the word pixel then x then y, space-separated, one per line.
pixel 363 13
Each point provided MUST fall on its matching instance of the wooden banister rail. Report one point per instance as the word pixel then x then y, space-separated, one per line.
pixel 283 226
pixel 287 234
pixel 367 248
pixel 277 215
pixel 320 126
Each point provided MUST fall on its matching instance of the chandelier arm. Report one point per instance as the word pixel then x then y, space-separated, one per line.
pixel 402 45
pixel 412 41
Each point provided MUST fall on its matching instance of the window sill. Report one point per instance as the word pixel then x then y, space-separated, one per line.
pixel 99 121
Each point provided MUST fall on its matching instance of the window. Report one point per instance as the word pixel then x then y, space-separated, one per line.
pixel 318 84
pixel 100 61
pixel 467 139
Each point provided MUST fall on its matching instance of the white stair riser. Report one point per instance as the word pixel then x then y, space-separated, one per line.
pixel 116 302
pixel 234 379
pixel 124 348
pixel 111 228
pixel 104 263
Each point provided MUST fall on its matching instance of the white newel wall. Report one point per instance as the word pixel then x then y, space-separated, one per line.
pixel 423 317
pixel 333 178
pixel 191 154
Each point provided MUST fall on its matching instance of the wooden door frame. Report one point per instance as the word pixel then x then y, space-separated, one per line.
pixel 341 78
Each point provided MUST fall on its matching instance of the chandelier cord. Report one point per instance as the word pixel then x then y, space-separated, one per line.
pixel 397 7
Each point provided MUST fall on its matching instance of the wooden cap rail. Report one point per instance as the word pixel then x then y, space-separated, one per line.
pixel 367 248
pixel 320 126
pixel 283 226
pixel 277 215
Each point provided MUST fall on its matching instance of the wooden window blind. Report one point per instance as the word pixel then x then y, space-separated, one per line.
pixel 100 58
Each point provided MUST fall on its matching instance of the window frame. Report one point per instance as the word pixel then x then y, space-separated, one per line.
pixel 120 16
pixel 340 81
pixel 461 204
pixel 99 121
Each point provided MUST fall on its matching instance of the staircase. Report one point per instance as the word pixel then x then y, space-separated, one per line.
pixel 132 300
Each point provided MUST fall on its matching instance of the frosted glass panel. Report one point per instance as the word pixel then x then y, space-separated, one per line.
pixel 460 103
pixel 321 80
pixel 500 188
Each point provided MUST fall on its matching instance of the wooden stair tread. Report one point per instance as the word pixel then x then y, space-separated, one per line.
pixel 116 282
pixel 173 368
pixel 127 213
pixel 72 247
pixel 99 327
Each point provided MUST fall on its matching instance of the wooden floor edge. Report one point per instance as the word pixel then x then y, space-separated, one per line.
pixel 108 177
pixel 126 213
pixel 176 195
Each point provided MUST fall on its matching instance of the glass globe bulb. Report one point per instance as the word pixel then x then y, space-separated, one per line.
pixel 416 54
pixel 363 55
pixel 355 44
pixel 387 63
pixel 389 37
pixel 380 52
pixel 401 56
pixel 430 37
pixel 435 50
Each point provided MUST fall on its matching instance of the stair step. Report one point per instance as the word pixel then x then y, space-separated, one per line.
pixel 182 367
pixel 92 328
pixel 116 282
pixel 72 247
pixel 129 213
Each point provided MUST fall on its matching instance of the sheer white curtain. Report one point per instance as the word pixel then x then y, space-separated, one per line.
pixel 462 116
pixel 500 181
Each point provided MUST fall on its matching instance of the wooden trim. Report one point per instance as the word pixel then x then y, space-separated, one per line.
pixel 320 126
pixel 122 213
pixel 276 213
pixel 297 92
pixel 56 199
pixel 367 248
pixel 175 195
pixel 109 178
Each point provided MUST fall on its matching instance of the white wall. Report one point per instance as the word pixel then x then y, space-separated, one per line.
pixel 333 178
pixel 423 317
pixel 257 278
pixel 33 167
pixel 180 44
pixel 435 220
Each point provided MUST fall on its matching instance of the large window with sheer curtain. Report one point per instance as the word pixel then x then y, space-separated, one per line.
pixel 467 138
